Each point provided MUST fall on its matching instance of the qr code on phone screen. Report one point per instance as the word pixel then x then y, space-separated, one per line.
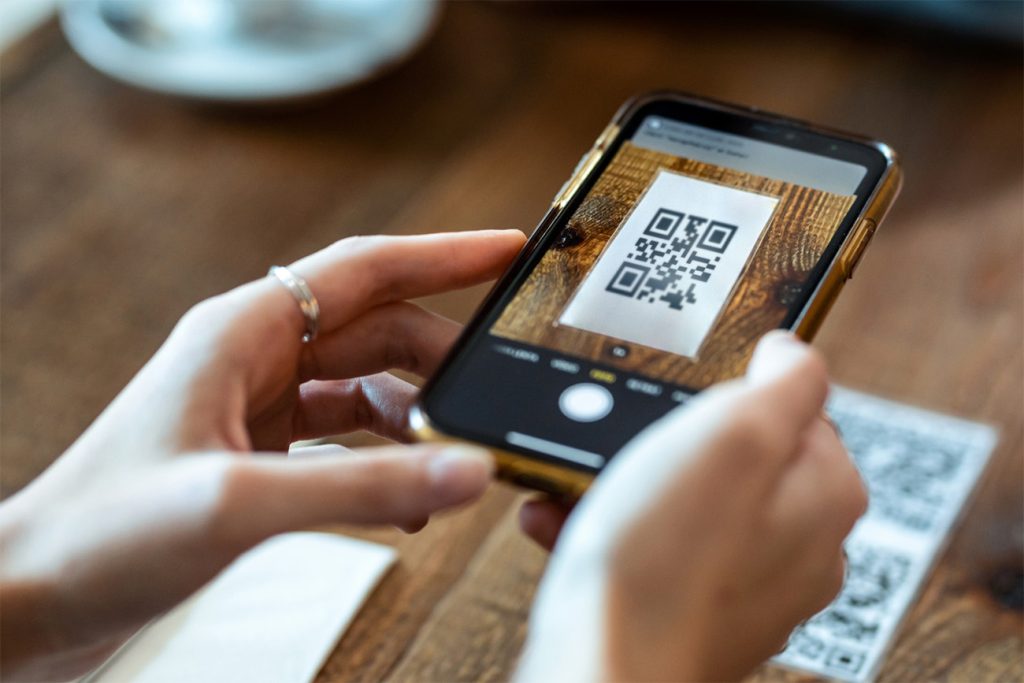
pixel 676 253
pixel 669 269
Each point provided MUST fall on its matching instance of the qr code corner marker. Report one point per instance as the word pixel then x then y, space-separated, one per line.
pixel 675 253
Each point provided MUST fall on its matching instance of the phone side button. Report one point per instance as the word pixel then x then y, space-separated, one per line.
pixel 559 200
pixel 562 195
pixel 862 235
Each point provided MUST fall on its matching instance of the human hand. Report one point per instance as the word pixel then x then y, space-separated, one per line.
pixel 708 539
pixel 183 471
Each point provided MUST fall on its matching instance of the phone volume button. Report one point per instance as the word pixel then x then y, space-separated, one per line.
pixel 560 195
pixel 858 243
pixel 579 164
pixel 585 165
pixel 607 135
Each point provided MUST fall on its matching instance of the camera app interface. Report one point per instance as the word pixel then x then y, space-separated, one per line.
pixel 690 246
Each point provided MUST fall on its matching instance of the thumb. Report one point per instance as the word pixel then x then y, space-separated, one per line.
pixel 789 377
pixel 400 485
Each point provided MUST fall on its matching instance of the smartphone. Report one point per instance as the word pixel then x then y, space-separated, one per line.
pixel 689 229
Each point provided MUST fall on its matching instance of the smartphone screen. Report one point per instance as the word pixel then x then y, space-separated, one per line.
pixel 700 230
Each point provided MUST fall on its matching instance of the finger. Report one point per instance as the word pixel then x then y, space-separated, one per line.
pixel 789 378
pixel 348 278
pixel 823 486
pixel 399 336
pixel 266 495
pixel 378 404
pixel 542 520
pixel 817 500
pixel 749 422
pixel 356 274
pixel 824 584
pixel 724 439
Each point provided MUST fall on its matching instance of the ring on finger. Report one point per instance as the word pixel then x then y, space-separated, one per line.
pixel 303 296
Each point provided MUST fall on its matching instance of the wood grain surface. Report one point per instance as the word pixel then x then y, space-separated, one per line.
pixel 120 209
pixel 802 226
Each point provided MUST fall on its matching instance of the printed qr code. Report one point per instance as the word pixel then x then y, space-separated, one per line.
pixel 908 473
pixel 675 253
pixel 873 577
pixel 919 468
pixel 839 639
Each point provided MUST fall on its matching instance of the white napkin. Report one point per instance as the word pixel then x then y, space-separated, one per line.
pixel 275 614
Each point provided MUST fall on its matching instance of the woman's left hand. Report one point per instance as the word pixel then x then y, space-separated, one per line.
pixel 184 470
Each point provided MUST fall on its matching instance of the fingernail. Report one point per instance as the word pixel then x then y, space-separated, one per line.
pixel 459 461
pixel 781 337
pixel 776 353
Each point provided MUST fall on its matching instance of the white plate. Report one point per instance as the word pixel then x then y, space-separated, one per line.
pixel 245 50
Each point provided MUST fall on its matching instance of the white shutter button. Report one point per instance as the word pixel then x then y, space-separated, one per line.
pixel 586 402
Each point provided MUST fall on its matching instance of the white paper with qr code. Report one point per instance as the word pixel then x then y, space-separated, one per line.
pixel 920 468
pixel 667 272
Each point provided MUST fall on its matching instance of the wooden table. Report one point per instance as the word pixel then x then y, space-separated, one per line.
pixel 121 208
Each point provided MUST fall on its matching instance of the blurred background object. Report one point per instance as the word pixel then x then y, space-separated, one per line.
pixel 19 17
pixel 992 20
pixel 245 50
pixel 269 50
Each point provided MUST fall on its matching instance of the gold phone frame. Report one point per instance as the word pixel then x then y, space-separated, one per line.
pixel 567 482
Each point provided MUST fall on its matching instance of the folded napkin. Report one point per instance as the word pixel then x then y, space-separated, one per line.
pixel 274 615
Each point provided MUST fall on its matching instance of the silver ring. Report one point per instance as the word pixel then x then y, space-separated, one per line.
pixel 303 295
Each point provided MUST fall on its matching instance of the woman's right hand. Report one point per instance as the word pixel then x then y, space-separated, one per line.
pixel 707 540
